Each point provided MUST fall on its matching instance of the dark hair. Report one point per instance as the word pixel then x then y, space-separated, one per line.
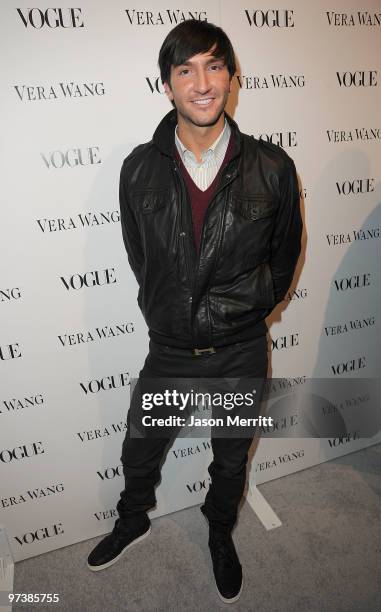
pixel 189 38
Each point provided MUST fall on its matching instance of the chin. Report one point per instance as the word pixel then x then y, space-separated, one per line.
pixel 207 121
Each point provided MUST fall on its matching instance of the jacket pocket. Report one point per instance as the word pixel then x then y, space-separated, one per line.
pixel 256 206
pixel 149 201
pixel 244 300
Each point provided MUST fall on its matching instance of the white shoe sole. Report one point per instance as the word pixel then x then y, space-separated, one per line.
pixel 233 599
pixel 97 568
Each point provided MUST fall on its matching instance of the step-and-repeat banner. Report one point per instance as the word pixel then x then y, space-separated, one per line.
pixel 80 89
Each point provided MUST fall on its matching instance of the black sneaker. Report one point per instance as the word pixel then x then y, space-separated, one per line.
pixel 226 566
pixel 113 546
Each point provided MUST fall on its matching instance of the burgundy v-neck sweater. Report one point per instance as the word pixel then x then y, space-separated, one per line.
pixel 200 199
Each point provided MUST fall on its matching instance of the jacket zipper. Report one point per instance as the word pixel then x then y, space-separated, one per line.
pixel 230 177
pixel 192 273
pixel 185 209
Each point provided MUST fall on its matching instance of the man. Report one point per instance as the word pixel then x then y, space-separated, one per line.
pixel 211 224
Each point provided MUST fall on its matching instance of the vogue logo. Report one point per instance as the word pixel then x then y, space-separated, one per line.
pixel 72 158
pixel 362 134
pixel 10 294
pixel 90 219
pixel 171 17
pixel 275 81
pixel 349 366
pixel 199 485
pixel 51 17
pixel 359 78
pixel 155 85
pixel 100 333
pixel 111 472
pixel 362 18
pixel 349 437
pixel 90 279
pixel 280 424
pixel 31 93
pixel 17 404
pixel 278 18
pixel 22 452
pixel 353 282
pixel 285 342
pixel 356 186
pixel 10 351
pixel 283 139
pixel 106 383
pixel 40 534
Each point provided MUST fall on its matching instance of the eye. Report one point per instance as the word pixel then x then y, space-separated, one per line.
pixel 183 71
pixel 216 67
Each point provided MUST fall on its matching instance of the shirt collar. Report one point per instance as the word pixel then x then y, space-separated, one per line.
pixel 217 149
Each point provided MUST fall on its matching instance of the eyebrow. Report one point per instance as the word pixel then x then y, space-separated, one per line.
pixel 209 61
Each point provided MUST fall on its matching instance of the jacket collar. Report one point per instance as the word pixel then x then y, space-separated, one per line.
pixel 164 135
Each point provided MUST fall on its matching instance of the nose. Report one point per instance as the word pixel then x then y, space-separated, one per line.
pixel 201 82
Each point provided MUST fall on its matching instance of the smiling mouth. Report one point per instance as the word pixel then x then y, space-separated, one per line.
pixel 203 102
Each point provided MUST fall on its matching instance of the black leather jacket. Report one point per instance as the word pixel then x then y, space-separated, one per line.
pixel 250 240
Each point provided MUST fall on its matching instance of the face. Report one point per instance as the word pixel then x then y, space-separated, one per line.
pixel 199 88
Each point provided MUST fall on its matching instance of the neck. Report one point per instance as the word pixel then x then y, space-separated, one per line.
pixel 197 139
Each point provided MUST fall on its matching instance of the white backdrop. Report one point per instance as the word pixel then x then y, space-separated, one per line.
pixel 81 88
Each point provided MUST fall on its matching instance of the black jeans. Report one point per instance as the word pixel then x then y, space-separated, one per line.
pixel 141 457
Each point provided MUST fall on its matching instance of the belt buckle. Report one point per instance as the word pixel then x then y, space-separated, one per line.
pixel 197 351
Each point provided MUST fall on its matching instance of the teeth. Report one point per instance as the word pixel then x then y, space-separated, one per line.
pixel 206 101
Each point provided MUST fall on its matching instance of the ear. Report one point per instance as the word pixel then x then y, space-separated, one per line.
pixel 230 84
pixel 168 91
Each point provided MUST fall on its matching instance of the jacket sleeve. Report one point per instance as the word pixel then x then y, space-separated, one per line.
pixel 130 228
pixel 286 238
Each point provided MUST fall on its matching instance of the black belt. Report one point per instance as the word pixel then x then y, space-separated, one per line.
pixel 199 351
